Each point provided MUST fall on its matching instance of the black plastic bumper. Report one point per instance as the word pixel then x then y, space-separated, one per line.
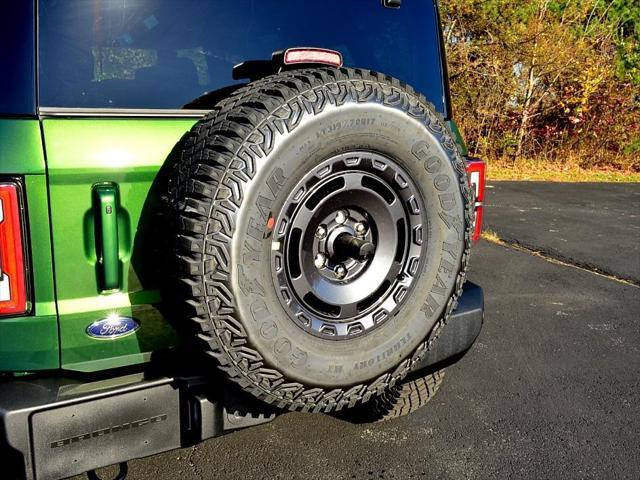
pixel 52 428
pixel 459 333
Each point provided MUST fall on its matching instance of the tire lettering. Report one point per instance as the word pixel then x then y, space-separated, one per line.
pixel 446 267
pixel 249 286
pixel 268 330
pixel 420 150
pixel 264 207
pixel 276 181
pixel 452 222
pixel 447 201
pixel 250 253
pixel 282 346
pixel 388 353
pixel 430 306
pixel 439 288
pixel 335 368
pixel 441 182
pixel 259 310
pixel 255 230
pixel 298 358
pixel 450 248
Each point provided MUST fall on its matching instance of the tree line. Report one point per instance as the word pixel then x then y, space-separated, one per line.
pixel 552 80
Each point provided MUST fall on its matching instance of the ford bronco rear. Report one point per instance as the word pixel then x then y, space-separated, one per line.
pixel 209 216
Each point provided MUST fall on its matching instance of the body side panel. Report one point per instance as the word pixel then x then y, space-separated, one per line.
pixel 30 342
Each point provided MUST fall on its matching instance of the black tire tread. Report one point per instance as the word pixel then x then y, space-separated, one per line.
pixel 404 398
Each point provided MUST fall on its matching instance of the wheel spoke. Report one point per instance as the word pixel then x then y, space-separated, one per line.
pixel 353 181
pixel 301 285
pixel 349 310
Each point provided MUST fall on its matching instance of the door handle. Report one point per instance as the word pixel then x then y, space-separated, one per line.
pixel 105 211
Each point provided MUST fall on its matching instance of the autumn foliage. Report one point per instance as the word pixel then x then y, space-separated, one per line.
pixel 547 80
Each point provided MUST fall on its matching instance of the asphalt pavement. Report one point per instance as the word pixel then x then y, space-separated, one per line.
pixel 596 225
pixel 551 388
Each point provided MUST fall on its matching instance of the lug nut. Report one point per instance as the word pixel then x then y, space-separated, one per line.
pixel 320 260
pixel 342 216
pixel 321 232
pixel 360 228
pixel 340 271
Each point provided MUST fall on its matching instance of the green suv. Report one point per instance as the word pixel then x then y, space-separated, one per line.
pixel 213 212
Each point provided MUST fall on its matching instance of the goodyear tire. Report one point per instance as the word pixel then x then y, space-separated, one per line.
pixel 323 229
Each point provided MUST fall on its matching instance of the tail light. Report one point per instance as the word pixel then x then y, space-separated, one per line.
pixel 476 173
pixel 13 277
pixel 323 56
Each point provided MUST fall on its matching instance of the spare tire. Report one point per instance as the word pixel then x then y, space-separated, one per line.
pixel 323 229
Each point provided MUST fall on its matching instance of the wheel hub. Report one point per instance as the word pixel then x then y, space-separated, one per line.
pixel 341 252
pixel 348 245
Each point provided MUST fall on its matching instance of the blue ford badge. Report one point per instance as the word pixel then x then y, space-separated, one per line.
pixel 114 326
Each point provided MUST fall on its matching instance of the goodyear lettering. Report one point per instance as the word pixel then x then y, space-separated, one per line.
pixel 259 310
pixel 441 182
pixel 247 285
pixel 452 222
pixel 276 181
pixel 439 288
pixel 446 267
pixel 431 306
pixel 250 254
pixel 264 207
pixel 268 330
pixel 257 228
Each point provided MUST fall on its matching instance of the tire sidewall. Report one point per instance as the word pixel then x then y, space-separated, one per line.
pixel 418 148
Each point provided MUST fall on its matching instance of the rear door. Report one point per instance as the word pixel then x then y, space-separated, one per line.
pixel 102 163
pixel 98 168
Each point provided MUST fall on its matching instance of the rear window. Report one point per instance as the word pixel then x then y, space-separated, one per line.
pixel 17 51
pixel 163 54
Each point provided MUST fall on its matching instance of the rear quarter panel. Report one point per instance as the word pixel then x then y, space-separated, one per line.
pixel 30 342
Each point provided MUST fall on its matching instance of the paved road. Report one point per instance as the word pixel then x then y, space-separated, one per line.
pixel 551 389
pixel 594 224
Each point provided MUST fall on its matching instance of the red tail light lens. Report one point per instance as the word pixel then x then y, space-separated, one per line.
pixel 476 172
pixel 312 55
pixel 13 282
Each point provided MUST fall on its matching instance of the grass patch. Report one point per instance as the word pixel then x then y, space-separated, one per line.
pixel 555 172
pixel 490 236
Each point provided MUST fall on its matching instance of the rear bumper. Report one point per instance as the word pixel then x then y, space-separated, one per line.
pixel 52 428
pixel 55 427
pixel 460 331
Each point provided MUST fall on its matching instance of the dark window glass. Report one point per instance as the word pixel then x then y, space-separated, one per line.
pixel 166 53
pixel 17 65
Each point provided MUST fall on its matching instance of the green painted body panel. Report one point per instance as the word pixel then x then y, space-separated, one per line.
pixel 31 342
pixel 21 147
pixel 462 146
pixel 127 153
pixel 39 234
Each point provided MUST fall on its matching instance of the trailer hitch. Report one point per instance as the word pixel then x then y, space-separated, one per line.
pixel 122 473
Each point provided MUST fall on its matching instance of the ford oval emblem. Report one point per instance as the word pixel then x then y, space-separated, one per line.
pixel 114 326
